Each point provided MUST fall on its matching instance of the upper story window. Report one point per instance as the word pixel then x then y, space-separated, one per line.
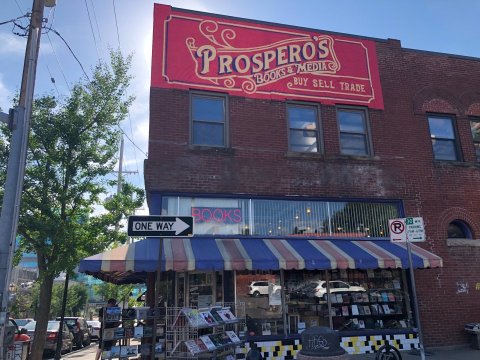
pixel 475 126
pixel 209 120
pixel 354 133
pixel 303 130
pixel 281 217
pixel 458 230
pixel 442 133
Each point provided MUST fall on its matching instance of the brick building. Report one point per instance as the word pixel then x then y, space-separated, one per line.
pixel 407 135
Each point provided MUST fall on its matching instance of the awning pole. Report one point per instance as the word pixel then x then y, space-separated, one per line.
pixel 155 305
pixel 415 303
pixel 329 300
pixel 284 302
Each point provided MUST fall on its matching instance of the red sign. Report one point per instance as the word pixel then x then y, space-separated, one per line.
pixel 203 51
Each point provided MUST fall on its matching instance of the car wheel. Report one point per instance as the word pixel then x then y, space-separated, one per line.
pixel 87 342
pixel 256 294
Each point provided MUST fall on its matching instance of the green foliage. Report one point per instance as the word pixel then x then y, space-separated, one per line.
pixel 77 297
pixel 72 147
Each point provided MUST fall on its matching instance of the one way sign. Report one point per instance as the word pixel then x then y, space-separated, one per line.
pixel 160 226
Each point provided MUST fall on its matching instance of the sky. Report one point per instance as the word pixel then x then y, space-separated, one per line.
pixel 92 27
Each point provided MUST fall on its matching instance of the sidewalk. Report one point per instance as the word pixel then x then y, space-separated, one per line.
pixel 447 353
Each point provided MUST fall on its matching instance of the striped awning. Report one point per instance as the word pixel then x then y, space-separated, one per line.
pixel 130 263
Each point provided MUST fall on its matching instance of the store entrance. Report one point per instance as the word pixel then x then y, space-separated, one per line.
pixel 199 289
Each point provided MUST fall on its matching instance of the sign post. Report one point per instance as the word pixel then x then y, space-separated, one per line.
pixel 159 226
pixel 407 230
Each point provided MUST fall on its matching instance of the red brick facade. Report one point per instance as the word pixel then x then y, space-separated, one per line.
pixel 258 163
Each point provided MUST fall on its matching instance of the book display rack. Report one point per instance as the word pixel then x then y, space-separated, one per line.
pixel 128 328
pixel 205 333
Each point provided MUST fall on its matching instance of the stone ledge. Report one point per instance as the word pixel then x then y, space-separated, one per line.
pixel 463 242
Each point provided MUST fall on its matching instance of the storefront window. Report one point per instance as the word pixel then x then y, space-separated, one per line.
pixel 260 217
pixel 350 300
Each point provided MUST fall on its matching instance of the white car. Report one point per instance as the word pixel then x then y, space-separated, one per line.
pixel 94 326
pixel 335 286
pixel 258 288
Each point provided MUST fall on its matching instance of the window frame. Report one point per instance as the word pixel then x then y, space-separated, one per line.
pixel 476 143
pixel 456 140
pixel 318 129
pixel 192 121
pixel 366 134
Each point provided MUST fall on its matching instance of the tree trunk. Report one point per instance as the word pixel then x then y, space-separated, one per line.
pixel 43 312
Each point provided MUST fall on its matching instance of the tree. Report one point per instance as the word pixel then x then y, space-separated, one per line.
pixel 72 148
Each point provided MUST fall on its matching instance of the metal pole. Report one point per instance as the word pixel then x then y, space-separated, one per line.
pixel 16 164
pixel 415 303
pixel 157 295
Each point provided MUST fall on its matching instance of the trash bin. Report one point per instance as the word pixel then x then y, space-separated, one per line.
pixel 474 330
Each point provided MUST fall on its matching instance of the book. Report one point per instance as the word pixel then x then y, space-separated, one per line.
pixel 216 315
pixel 159 347
pixel 227 315
pixel 209 319
pixel 339 298
pixel 208 343
pixel 346 298
pixel 145 349
pixel 118 333
pixel 138 332
pixel 403 324
pixel 234 337
pixel 366 309
pixel 128 333
pixel 147 331
pixel 391 296
pixel 115 351
pixel 361 324
pixel 192 347
pixel 396 284
pixel 108 334
pixel 216 339
pixel 386 309
pixel 365 297
pixel 384 296
pixel 112 314
pixel 374 309
pixel 194 318
pixel 355 310
pixel 201 345
pixel 345 310
pixel 129 314
pixel 361 310
pixel 129 350
pixel 142 313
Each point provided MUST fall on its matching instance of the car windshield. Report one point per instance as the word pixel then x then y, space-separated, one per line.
pixel 31 325
pixel 21 322
pixel 53 325
pixel 93 323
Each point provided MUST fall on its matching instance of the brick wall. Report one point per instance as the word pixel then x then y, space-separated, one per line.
pixel 258 163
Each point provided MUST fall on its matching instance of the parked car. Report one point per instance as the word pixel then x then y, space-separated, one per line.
pixel 20 333
pixel 258 288
pixel 79 328
pixel 52 334
pixel 335 286
pixel 94 328
pixel 22 322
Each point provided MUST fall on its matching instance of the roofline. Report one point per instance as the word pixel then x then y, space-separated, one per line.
pixel 464 57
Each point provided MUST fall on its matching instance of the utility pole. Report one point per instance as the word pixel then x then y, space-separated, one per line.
pixel 16 164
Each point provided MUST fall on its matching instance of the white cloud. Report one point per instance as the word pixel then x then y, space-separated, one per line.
pixel 5 102
pixel 12 44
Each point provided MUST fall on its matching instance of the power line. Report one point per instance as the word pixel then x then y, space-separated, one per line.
pixel 91 27
pixel 52 79
pixel 116 23
pixel 128 138
pixel 59 65
pixel 69 48
pixel 14 20
pixel 96 22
